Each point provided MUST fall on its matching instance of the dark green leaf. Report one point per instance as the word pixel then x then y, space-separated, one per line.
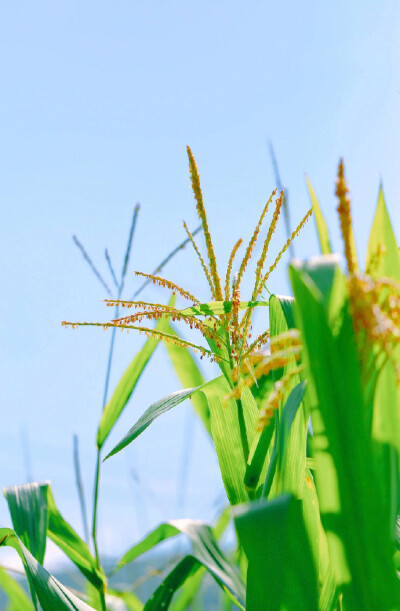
pixel 281 573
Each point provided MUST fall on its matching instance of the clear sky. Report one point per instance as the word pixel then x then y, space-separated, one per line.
pixel 98 101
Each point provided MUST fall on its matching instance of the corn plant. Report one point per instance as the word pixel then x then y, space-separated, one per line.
pixel 304 419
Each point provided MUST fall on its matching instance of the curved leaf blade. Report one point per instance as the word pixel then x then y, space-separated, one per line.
pixel 52 595
pixel 126 385
pixel 154 411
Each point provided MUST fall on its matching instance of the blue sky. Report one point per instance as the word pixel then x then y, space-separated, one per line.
pixel 98 103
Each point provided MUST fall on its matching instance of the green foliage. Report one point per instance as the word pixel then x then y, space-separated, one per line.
pixel 305 425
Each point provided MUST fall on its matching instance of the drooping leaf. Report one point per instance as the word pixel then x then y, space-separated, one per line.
pixel 52 595
pixel 18 600
pixel 28 509
pixel 189 375
pixel 126 385
pixel 154 411
pixel 205 552
pixel 193 583
pixel 281 573
pixel 35 516
pixel 322 228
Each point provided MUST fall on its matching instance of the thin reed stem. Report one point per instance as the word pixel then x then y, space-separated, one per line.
pixel 79 487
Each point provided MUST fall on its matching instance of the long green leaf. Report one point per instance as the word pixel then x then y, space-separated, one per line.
pixel 28 509
pixel 35 516
pixel 193 583
pixel 154 411
pixel 126 385
pixel 358 533
pixel 383 257
pixel 281 572
pixel 52 595
pixel 189 375
pixel 226 435
pixel 291 466
pixel 65 537
pixel 18 600
pixel 322 228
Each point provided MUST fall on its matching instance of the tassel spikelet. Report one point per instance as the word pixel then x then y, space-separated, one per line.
pixel 284 348
pixel 174 315
pixel 167 337
pixel 258 343
pixel 345 220
pixel 258 285
pixel 294 234
pixel 169 285
pixel 145 305
pixel 253 240
pixel 229 269
pixel 203 264
pixel 281 387
pixel 229 332
pixel 235 329
pixel 260 265
pixel 203 217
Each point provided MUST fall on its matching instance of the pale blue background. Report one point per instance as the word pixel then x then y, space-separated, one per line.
pixel 98 101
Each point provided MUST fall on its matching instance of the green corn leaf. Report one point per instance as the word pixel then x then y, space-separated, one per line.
pixel 126 385
pixel 205 551
pixel 291 466
pixel 35 516
pixel 215 308
pixel 154 411
pixel 52 595
pixel 322 228
pixel 65 537
pixel 358 533
pixel 18 600
pixel 226 435
pixel 291 448
pixel 193 583
pixel 281 572
pixel 383 257
pixel 189 375
pixel 162 596
pixel 257 466
pixel 28 509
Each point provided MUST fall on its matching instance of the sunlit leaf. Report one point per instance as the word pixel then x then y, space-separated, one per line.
pixel 322 228
pixel 52 595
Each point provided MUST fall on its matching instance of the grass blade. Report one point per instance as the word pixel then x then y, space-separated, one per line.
pixel 126 386
pixel 154 411
pixel 189 375
pixel 52 595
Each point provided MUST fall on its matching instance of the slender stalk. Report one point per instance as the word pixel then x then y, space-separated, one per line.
pixel 79 486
